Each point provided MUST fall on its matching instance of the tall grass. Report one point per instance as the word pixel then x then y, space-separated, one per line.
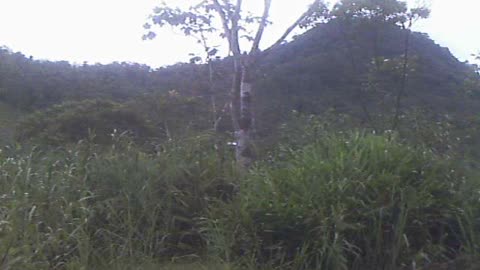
pixel 345 201
pixel 80 207
pixel 350 202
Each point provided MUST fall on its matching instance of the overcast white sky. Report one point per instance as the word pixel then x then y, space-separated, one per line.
pixel 110 30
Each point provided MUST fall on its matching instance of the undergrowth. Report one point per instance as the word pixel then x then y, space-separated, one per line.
pixel 351 202
pixel 345 201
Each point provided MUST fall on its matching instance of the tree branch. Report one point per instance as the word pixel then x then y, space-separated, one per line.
pixel 235 29
pixel 261 27
pixel 224 18
pixel 290 29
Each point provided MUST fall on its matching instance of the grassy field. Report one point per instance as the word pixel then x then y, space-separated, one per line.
pixel 346 201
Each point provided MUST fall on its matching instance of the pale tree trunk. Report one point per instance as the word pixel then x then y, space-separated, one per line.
pixel 244 152
pixel 241 108
pixel 241 112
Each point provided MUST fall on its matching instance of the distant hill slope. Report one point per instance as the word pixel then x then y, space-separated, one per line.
pixel 8 118
pixel 330 67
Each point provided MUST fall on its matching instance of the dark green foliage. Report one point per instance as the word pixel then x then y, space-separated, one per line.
pixel 88 206
pixel 330 67
pixel 347 202
pixel 453 138
pixel 174 115
pixel 8 117
pixel 390 11
pixel 74 121
pixel 147 118
pixel 29 84
pixel 344 202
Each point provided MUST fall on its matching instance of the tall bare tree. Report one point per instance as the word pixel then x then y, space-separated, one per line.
pixel 230 20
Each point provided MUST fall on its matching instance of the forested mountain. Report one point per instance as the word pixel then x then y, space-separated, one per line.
pixel 334 60
pixel 346 67
pixel 32 84
pixel 325 64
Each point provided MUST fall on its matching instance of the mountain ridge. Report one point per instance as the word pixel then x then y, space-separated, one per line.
pixel 334 66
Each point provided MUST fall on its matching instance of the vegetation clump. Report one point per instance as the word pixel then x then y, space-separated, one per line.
pixel 73 121
pixel 344 202
pixel 349 202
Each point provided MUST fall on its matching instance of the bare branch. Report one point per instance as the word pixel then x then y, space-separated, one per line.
pixel 224 19
pixel 235 29
pixel 238 9
pixel 261 26
pixel 231 33
pixel 297 23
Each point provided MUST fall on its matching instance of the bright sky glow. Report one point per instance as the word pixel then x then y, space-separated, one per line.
pixel 110 30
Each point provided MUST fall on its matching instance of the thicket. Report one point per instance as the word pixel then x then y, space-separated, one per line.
pixel 341 201
pixel 150 117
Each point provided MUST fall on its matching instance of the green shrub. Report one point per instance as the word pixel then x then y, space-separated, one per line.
pixel 174 115
pixel 74 121
pixel 345 202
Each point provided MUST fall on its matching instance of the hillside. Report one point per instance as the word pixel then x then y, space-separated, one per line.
pixel 344 68
pixel 333 67
pixel 8 117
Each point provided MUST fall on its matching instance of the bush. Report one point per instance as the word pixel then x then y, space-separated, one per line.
pixel 74 121
pixel 345 202
pixel 174 115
